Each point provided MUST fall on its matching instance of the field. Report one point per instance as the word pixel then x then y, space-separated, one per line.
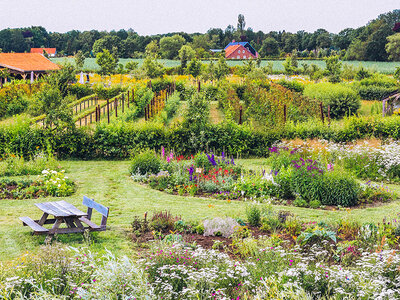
pixel 383 67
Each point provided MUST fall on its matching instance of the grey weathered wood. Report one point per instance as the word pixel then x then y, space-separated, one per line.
pixel 60 209
pixel 91 204
pixel 89 223
pixel 43 219
pixel 35 226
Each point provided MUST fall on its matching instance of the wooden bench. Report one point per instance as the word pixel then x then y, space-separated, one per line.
pixel 91 204
pixel 37 229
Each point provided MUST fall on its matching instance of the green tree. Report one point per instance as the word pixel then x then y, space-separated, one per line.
pixel 241 24
pixel 221 69
pixel 152 49
pixel 79 60
pixel 131 66
pixel 270 47
pixel 194 68
pixel 290 64
pixel 107 42
pixel 51 103
pixel 62 78
pixel 333 68
pixel 106 62
pixel 393 47
pixel 4 73
pixel 397 74
pixel 169 46
pixel 152 67
pixel 186 53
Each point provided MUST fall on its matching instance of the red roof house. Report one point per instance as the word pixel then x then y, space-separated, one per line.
pixel 240 50
pixel 50 51
pixel 24 64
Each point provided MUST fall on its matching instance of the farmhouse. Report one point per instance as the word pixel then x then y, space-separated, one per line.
pixel 240 50
pixel 50 51
pixel 26 64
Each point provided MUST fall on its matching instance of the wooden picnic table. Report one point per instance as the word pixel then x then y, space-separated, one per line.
pixel 63 212
pixel 68 214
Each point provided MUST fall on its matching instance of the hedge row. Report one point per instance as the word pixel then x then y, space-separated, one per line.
pixel 119 140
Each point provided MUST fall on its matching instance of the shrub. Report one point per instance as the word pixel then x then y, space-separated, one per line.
pixel 292 85
pixel 253 214
pixel 145 163
pixel 218 226
pixel 163 221
pixel 342 100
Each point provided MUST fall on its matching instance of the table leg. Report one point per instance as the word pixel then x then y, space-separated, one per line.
pixel 43 219
pixel 57 224
pixel 70 222
pixel 79 223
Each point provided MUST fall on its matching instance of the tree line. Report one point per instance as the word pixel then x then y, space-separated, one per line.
pixel 369 42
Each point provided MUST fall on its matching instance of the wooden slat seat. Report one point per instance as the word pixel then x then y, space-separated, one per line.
pixel 89 223
pixel 103 210
pixel 37 229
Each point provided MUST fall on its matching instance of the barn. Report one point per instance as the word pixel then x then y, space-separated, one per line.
pixel 24 65
pixel 50 51
pixel 240 50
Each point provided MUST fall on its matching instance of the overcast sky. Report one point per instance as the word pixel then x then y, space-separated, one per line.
pixel 151 16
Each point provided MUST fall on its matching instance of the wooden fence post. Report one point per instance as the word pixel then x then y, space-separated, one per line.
pixel 240 115
pixel 284 113
pixel 108 111
pixel 123 102
pixel 115 106
pixel 198 86
pixel 127 100
pixel 322 112
pixel 95 117
pixel 329 115
pixel 145 113
pixel 85 120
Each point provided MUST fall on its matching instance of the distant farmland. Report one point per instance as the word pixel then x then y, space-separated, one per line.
pixel 383 67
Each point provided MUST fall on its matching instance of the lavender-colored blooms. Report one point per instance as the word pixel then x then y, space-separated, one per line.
pixel 224 226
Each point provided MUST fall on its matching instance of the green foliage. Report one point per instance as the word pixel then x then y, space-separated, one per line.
pixel 14 165
pixel 292 85
pixel 51 103
pixel 221 69
pixel 186 53
pixel 152 67
pixel 290 65
pixel 198 110
pixel 342 100
pixel 143 96
pixel 145 162
pixel 270 47
pixel 163 221
pixel 106 61
pixel 194 68
pixel 169 46
pixel 333 68
pixel 253 214
pixel 393 46
pixel 316 235
pixel 79 60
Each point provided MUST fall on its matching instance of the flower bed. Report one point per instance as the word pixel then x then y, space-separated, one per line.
pixel 50 183
pixel 296 178
pixel 346 260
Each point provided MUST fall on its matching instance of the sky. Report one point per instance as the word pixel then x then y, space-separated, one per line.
pixel 148 17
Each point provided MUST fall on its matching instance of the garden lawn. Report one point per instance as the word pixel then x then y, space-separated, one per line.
pixel 108 182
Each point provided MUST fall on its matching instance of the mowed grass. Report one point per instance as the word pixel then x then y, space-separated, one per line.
pixel 108 182
pixel 383 67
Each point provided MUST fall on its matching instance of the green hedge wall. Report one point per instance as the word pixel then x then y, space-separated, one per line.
pixel 119 140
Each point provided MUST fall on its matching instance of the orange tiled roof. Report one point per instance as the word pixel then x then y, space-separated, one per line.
pixel 231 49
pixel 40 50
pixel 26 62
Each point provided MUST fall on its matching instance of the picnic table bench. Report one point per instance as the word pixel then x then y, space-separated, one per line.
pixel 68 214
